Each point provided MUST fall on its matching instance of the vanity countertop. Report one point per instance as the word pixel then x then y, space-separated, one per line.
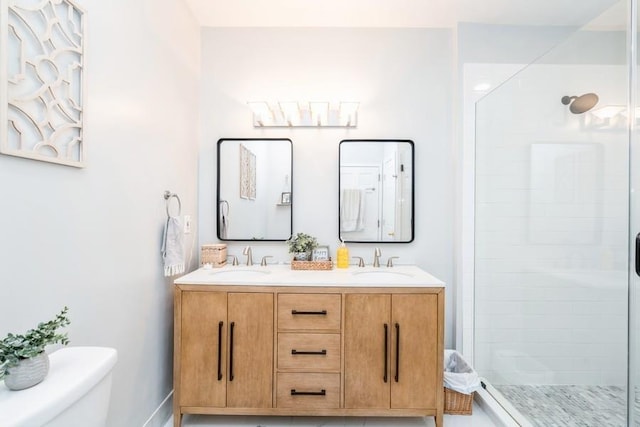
pixel 283 275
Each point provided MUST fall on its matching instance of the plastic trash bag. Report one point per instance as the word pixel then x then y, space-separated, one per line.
pixel 458 375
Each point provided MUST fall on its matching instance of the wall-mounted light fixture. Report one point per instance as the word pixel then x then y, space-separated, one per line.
pixel 304 114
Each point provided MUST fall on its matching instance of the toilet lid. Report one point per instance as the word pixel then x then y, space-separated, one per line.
pixel 73 372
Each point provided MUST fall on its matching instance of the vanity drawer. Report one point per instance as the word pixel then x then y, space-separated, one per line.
pixel 309 311
pixel 308 391
pixel 313 352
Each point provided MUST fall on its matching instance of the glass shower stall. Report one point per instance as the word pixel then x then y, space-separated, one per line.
pixel 557 173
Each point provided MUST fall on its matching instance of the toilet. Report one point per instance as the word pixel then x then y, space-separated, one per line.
pixel 76 391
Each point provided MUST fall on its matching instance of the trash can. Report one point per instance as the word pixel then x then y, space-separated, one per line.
pixel 460 384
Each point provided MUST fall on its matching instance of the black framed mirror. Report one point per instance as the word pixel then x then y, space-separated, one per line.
pixel 376 188
pixel 254 189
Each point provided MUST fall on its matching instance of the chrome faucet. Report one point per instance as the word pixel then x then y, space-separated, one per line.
pixel 376 257
pixel 234 259
pixel 247 252
pixel 263 263
pixel 360 261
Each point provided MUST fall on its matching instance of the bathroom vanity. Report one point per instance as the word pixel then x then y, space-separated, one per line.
pixel 276 341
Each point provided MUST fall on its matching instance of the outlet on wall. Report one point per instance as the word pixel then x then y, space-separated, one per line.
pixel 187 224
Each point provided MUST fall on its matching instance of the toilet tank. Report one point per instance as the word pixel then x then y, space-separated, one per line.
pixel 76 392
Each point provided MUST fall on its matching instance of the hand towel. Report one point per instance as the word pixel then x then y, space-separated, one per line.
pixel 352 210
pixel 173 247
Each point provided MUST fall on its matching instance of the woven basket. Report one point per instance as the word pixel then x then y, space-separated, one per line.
pixel 457 403
pixel 311 265
pixel 215 255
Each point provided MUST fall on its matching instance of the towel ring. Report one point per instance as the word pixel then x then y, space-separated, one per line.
pixel 167 196
pixel 224 207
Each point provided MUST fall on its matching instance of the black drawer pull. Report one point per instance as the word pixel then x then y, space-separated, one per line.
pixel 321 352
pixel 386 352
pixel 220 350
pixel 231 326
pixel 322 392
pixel 317 313
pixel 397 378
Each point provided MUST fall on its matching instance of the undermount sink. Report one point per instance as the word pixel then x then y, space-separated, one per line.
pixel 381 274
pixel 240 274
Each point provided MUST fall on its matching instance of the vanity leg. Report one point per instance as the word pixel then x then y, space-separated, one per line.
pixel 177 418
pixel 439 417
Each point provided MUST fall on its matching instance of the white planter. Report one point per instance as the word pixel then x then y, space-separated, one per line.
pixel 28 372
pixel 301 256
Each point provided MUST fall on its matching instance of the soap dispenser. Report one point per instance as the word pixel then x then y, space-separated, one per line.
pixel 342 256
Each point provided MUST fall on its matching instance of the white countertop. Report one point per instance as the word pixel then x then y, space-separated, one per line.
pixel 283 275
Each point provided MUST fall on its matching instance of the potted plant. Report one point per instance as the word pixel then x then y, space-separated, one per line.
pixel 301 246
pixel 23 362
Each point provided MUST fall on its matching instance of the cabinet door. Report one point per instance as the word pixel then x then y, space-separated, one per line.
pixel 200 349
pixel 250 353
pixel 366 351
pixel 414 351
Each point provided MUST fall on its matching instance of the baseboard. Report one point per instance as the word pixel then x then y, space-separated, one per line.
pixel 161 415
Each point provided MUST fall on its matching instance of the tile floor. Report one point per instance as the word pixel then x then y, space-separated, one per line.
pixel 478 419
pixel 568 405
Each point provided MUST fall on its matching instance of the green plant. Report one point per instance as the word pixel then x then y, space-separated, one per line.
pixel 14 348
pixel 302 242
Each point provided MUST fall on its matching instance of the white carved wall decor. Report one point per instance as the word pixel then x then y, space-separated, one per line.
pixel 41 80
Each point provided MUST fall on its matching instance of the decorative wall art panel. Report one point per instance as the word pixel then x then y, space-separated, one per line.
pixel 247 173
pixel 42 59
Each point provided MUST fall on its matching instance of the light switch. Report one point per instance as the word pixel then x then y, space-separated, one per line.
pixel 187 224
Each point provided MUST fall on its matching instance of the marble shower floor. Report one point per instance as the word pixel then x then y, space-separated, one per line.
pixel 478 419
pixel 568 405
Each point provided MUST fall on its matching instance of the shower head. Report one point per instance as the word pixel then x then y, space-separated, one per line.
pixel 580 104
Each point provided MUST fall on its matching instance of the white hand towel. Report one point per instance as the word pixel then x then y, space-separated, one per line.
pixel 352 210
pixel 173 247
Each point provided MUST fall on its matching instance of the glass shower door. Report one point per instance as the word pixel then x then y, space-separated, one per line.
pixel 634 225
pixel 552 233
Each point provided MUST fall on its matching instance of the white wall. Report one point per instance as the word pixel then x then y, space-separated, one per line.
pixel 90 238
pixel 403 80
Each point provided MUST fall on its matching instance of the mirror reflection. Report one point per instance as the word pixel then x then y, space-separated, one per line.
pixel 376 190
pixel 254 189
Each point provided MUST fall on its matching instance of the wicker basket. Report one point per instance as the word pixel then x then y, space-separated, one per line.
pixel 311 265
pixel 214 255
pixel 457 403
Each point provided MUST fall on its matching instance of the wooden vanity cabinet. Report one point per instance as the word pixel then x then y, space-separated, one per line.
pixel 391 351
pixel 224 345
pixel 308 350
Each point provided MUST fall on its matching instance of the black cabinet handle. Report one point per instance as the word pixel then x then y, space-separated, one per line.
pixel 638 254
pixel 322 392
pixel 321 352
pixel 397 352
pixel 386 352
pixel 311 313
pixel 231 326
pixel 220 350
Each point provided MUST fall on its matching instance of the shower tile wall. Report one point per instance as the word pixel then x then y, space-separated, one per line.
pixel 551 232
